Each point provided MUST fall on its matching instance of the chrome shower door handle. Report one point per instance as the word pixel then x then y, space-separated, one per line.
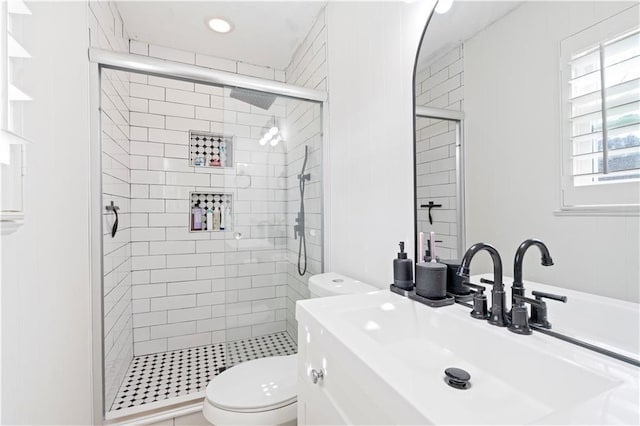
pixel 317 376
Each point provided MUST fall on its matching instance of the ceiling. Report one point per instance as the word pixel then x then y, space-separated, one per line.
pixel 464 20
pixel 265 33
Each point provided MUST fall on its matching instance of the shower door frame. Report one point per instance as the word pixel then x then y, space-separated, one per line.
pixel 99 59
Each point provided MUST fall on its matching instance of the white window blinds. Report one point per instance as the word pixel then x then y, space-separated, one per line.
pixel 604 109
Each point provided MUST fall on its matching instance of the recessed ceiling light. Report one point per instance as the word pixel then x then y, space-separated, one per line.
pixel 219 25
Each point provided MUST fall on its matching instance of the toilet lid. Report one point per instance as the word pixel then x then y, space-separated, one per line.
pixel 258 385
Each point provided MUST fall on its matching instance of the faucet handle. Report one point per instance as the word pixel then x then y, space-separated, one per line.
pixel 479 288
pixel 532 302
pixel 486 281
pixel 519 321
pixel 480 310
pixel 540 294
pixel 539 312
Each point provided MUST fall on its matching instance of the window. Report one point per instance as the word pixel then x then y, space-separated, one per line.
pixel 601 110
pixel 12 99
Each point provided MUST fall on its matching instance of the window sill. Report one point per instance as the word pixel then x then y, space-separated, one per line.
pixel 629 211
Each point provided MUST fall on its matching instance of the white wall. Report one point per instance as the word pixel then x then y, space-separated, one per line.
pixel 46 321
pixel 512 105
pixel 118 336
pixel 371 53
pixel 195 58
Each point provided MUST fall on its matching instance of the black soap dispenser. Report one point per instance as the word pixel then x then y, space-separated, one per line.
pixel 403 270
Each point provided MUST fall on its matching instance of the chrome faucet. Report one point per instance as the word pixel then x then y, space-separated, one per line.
pixel 497 315
pixel 517 289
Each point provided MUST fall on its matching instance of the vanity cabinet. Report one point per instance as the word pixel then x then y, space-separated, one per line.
pixel 383 359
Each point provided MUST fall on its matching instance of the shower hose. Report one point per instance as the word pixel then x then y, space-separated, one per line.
pixel 302 245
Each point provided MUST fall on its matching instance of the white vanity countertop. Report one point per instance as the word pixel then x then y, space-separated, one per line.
pixel 609 323
pixel 400 349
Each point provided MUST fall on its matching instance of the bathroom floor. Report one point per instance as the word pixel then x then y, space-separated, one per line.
pixel 164 375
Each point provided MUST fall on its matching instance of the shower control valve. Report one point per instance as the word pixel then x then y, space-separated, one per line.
pixel 317 376
pixel 299 226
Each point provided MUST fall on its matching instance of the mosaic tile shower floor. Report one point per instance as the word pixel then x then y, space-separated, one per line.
pixel 164 375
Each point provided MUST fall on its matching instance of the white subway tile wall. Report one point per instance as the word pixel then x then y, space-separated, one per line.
pixel 165 287
pixel 441 85
pixel 308 68
pixel 107 32
pixel 196 288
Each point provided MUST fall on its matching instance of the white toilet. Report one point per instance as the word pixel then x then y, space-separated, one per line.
pixel 263 391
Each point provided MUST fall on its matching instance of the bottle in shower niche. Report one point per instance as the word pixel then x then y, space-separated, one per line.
pixel 209 220
pixel 222 217
pixel 223 155
pixel 216 219
pixel 196 219
pixel 227 217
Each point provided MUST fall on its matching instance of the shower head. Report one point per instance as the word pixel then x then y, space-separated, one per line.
pixel 259 99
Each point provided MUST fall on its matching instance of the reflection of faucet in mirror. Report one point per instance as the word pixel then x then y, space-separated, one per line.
pixel 517 289
pixel 498 299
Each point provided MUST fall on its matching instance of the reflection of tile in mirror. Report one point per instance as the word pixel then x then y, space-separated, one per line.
pixel 436 181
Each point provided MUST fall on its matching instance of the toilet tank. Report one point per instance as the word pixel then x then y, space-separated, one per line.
pixel 334 284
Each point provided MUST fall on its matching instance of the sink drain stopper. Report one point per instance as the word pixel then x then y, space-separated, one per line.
pixel 457 378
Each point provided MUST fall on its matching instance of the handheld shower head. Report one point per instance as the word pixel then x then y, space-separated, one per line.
pixel 298 229
pixel 302 176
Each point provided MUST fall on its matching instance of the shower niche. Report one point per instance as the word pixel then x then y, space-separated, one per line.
pixel 210 212
pixel 210 150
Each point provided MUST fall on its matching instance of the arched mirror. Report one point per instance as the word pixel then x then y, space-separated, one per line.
pixel 440 120
pixel 513 101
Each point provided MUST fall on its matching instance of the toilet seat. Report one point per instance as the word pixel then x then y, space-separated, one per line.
pixel 259 385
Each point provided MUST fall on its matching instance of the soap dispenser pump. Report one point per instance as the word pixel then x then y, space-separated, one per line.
pixel 403 270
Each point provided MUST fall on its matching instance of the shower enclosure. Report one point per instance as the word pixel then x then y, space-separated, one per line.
pixel 217 193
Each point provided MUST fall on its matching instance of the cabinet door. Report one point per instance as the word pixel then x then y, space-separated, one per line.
pixel 341 397
pixel 314 405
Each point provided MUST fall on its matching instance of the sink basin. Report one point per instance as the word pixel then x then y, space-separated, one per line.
pixel 399 349
pixel 518 378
